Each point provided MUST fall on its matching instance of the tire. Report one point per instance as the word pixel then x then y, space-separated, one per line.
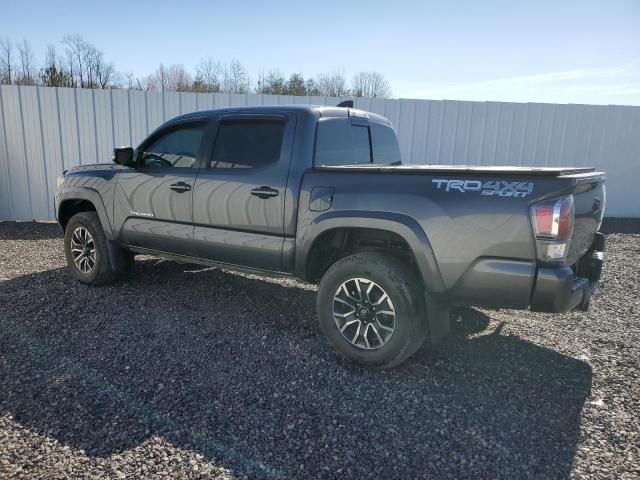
pixel 377 274
pixel 92 272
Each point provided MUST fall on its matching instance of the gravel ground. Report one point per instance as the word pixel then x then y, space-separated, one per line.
pixel 180 371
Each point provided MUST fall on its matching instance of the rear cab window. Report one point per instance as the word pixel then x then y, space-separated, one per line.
pixel 247 143
pixel 341 142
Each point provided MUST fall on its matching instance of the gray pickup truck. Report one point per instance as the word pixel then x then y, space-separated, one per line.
pixel 319 193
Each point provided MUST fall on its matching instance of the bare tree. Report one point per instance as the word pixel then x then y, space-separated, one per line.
pixel 161 78
pixel 235 78
pixel 103 73
pixel 332 84
pixel 89 64
pixel 370 84
pixel 158 80
pixel 51 57
pixel 84 65
pixel 168 78
pixel 69 67
pixel 6 61
pixel 130 80
pixel 107 76
pixel 146 84
pixel 182 80
pixel 27 63
pixel 208 76
pixel 77 58
pixel 92 59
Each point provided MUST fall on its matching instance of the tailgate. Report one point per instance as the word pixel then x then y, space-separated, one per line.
pixel 589 198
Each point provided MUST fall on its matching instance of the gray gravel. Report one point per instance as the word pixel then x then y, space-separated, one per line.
pixel 180 371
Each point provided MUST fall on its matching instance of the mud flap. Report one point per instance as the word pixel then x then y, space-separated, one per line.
pixel 117 256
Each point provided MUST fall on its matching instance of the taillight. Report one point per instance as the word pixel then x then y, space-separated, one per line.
pixel 553 227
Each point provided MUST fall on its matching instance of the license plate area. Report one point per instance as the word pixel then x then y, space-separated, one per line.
pixel 590 266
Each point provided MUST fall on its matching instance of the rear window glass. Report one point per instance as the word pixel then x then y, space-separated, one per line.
pixel 340 143
pixel 247 144
pixel 385 144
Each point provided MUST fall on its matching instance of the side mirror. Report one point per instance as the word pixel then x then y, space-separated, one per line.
pixel 123 156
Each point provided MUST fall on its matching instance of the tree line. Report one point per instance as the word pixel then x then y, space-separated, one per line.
pixel 81 64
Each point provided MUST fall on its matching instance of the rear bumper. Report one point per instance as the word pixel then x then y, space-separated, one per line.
pixel 563 289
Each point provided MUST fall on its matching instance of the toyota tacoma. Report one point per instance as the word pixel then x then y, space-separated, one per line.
pixel 320 193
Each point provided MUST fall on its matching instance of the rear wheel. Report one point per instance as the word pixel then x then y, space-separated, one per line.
pixel 85 248
pixel 371 309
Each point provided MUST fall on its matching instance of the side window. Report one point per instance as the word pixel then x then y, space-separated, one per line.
pixel 385 144
pixel 338 142
pixel 247 143
pixel 177 148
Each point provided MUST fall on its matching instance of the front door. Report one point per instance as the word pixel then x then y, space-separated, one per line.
pixel 154 201
pixel 239 195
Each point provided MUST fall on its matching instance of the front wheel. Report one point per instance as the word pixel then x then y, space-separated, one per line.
pixel 371 309
pixel 85 248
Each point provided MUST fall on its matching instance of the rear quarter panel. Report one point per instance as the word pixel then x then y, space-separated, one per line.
pixel 461 226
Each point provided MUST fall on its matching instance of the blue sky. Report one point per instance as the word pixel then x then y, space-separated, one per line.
pixel 546 51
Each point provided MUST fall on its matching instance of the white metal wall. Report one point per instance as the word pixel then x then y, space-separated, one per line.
pixel 46 130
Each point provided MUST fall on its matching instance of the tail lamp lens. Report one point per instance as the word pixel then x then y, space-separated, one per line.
pixel 553 227
pixel 543 220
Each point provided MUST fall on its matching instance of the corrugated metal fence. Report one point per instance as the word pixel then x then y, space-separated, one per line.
pixel 46 130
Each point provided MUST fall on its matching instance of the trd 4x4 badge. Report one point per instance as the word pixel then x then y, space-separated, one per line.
pixel 496 188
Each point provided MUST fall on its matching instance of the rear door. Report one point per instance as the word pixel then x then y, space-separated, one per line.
pixel 154 201
pixel 240 191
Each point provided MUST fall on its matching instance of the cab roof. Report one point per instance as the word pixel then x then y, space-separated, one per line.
pixel 320 111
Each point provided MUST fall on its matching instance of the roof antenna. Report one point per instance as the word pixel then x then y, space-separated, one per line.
pixel 346 104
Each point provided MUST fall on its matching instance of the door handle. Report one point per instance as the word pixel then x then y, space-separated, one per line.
pixel 265 192
pixel 180 187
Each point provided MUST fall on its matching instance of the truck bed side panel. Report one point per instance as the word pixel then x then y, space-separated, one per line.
pixel 466 226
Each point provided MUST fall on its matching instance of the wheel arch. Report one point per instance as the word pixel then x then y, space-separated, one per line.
pixel 83 199
pixel 391 225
